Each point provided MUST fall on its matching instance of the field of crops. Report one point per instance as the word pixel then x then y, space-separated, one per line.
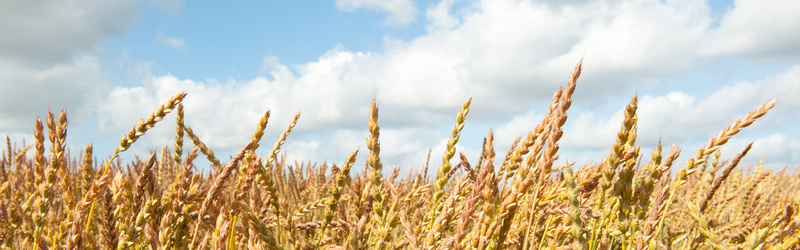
pixel 511 198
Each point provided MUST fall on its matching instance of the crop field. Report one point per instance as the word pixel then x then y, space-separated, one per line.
pixel 512 197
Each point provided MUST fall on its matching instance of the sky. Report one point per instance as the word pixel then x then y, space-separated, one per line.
pixel 696 67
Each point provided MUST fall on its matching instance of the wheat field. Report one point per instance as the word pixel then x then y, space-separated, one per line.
pixel 514 198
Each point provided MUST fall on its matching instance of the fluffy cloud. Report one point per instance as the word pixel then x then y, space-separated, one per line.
pixel 778 150
pixel 54 32
pixel 762 30
pixel 400 11
pixel 690 121
pixel 225 114
pixel 512 52
pixel 672 115
pixel 51 56
pixel 517 127
pixel 175 42
pixel 439 17
pixel 28 91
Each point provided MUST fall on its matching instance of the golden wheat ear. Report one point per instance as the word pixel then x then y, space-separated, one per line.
pixel 84 209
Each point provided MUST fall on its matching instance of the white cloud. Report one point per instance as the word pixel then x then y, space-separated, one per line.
pixel 690 121
pixel 513 52
pixel 518 126
pixel 777 150
pixel 439 17
pixel 706 116
pixel 270 63
pixel 589 131
pixel 36 33
pixel 400 11
pixel 28 91
pixel 178 43
pixel 171 41
pixel 211 105
pixel 757 29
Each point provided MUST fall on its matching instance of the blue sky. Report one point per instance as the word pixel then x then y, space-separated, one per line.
pixel 229 40
pixel 696 65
